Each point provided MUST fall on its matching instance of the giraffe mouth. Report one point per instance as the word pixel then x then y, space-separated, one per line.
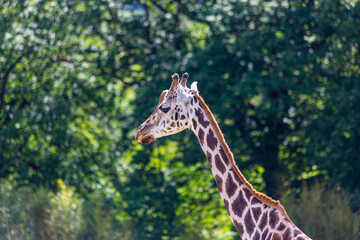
pixel 147 139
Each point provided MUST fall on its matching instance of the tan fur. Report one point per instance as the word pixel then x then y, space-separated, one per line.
pixel 262 197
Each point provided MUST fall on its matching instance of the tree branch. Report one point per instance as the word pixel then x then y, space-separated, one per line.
pixel 147 28
pixel 161 8
pixel 125 46
pixel 5 78
pixel 118 36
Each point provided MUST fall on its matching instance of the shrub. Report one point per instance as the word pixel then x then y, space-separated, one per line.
pixel 41 214
pixel 323 213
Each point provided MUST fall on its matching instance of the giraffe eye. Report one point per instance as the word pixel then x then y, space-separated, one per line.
pixel 164 109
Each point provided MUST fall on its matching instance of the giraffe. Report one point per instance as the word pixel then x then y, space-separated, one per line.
pixel 254 215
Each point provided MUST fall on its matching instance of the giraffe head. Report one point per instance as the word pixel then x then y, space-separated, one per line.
pixel 172 113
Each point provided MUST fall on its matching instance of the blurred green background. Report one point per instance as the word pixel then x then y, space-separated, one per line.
pixel 78 77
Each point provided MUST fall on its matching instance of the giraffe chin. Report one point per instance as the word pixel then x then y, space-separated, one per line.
pixel 147 139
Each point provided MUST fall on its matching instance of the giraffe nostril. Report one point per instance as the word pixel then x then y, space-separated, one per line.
pixel 141 127
pixel 140 132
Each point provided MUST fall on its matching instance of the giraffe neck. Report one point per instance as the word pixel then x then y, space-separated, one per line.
pixel 253 214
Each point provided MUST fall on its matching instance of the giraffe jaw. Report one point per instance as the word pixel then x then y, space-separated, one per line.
pixel 146 139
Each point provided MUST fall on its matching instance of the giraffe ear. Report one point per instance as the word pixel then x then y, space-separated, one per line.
pixel 194 86
pixel 184 77
pixel 162 96
pixel 175 82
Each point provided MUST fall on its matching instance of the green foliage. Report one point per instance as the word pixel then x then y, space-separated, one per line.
pixel 270 76
pixel 317 210
pixel 98 219
pixel 78 77
pixel 167 199
pixel 41 214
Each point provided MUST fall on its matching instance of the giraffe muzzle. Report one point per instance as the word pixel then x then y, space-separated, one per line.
pixel 143 134
pixel 146 139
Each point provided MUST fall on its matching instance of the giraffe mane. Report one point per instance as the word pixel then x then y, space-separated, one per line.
pixel 260 196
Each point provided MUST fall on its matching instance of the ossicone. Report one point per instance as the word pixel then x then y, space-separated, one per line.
pixel 184 77
pixel 175 81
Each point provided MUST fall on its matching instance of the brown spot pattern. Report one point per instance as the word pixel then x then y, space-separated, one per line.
pixel 223 155
pixel 263 221
pixel 219 165
pixel 273 219
pixel 201 136
pixel 249 223
pixel 239 204
pixel 247 194
pixel 239 227
pixel 236 177
pixel 300 238
pixel 182 117
pixel 281 227
pixel 276 237
pixel 255 200
pixel 194 124
pixel 230 186
pixel 195 99
pixel 219 181
pixel 296 232
pixel 264 234
pixel 227 206
pixel 256 236
pixel 211 140
pixel 256 213
pixel 176 116
pixel 172 124
pixel 287 234
pixel 209 158
pixel 201 119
